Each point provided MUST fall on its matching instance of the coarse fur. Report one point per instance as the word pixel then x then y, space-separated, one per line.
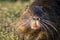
pixel 46 11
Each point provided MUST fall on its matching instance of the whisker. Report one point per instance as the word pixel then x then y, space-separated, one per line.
pixel 43 27
pixel 50 24
pixel 48 21
pixel 50 31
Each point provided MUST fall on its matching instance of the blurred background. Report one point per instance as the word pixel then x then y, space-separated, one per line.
pixel 9 11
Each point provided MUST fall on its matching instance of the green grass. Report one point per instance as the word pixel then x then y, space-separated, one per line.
pixel 9 12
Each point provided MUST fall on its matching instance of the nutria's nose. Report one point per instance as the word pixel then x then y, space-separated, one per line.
pixel 35 25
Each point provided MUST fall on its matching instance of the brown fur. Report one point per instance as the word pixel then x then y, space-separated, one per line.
pixel 23 29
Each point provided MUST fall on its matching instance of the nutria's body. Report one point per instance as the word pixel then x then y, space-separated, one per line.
pixel 45 10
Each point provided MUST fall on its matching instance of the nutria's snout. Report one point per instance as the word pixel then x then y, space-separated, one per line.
pixel 35 23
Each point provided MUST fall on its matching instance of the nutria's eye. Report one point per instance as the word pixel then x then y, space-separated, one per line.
pixel 38 18
pixel 33 18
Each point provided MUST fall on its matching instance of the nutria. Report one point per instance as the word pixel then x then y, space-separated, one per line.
pixel 38 21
